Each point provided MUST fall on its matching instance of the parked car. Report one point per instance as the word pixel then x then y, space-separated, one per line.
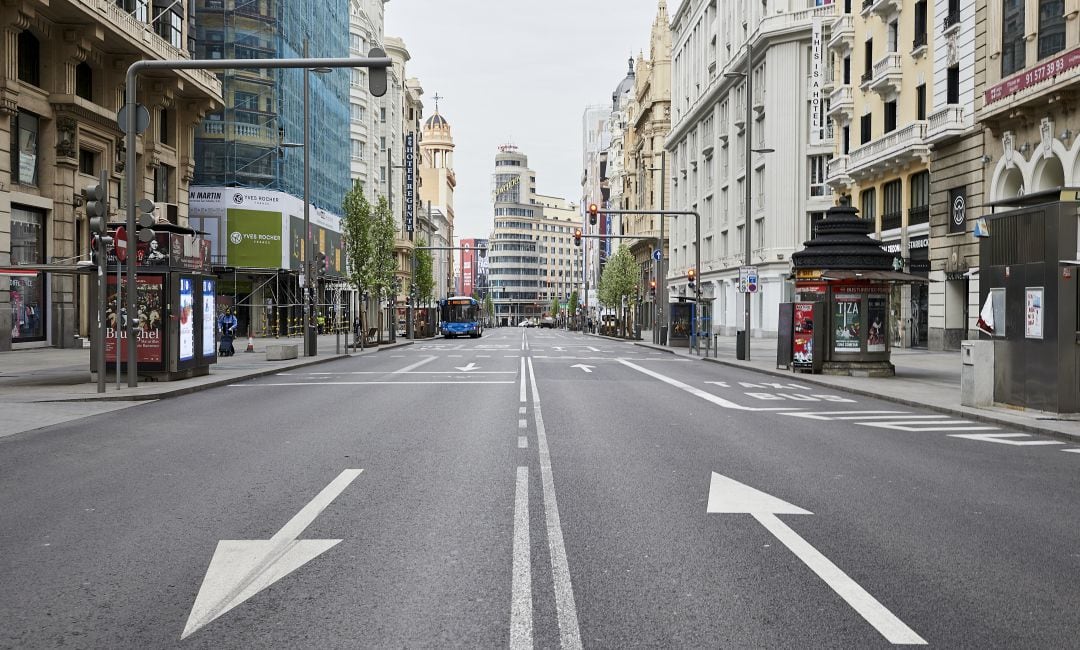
pixel 548 322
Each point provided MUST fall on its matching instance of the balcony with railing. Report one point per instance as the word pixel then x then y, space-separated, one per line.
pixel 843 34
pixel 951 22
pixel 948 121
pixel 888 75
pixel 108 13
pixel 842 104
pixel 885 9
pixel 838 176
pixel 896 148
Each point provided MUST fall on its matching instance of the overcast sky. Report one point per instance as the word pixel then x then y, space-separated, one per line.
pixel 519 71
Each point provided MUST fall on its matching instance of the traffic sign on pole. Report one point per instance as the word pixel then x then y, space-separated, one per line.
pixel 748 279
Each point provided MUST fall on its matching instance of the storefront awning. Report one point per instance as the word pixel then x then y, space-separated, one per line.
pixel 897 277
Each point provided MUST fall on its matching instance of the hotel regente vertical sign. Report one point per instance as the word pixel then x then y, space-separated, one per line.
pixel 410 177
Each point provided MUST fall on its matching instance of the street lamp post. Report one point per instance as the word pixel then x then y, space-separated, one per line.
pixel 748 209
pixel 311 341
pixel 661 284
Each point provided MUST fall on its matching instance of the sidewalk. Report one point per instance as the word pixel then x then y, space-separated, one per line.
pixel 923 379
pixel 44 386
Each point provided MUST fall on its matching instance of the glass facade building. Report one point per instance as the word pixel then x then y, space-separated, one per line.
pixel 240 145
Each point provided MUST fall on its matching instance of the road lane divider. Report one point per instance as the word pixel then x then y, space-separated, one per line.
pixel 565 607
pixel 697 392
pixel 416 365
pixel 521 623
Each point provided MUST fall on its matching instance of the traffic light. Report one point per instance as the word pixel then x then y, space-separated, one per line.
pixel 652 287
pixel 691 275
pixel 144 221
pixel 592 214
pixel 577 237
pixel 320 263
pixel 96 198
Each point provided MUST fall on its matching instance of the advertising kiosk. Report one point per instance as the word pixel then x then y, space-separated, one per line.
pixel 176 324
pixel 840 319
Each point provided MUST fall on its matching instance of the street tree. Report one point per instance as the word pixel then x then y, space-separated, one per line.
pixel 384 266
pixel 489 307
pixel 425 273
pixel 555 307
pixel 572 307
pixel 357 226
pixel 619 280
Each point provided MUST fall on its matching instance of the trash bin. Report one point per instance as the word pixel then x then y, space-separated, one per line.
pixel 977 373
pixel 663 335
pixel 740 345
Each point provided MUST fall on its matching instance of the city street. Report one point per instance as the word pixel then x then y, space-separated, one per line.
pixel 535 488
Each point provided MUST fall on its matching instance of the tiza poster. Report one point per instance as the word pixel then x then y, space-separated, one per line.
pixel 846 312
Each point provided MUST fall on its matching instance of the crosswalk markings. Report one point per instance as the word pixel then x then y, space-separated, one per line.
pixel 1008 439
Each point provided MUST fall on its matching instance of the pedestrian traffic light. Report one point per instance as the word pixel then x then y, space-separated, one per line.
pixel 96 197
pixel 592 214
pixel 691 275
pixel 577 237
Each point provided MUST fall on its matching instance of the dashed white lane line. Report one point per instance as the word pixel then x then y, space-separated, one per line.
pixel 521 410
pixel 523 442
pixel 521 392
pixel 523 424
pixel 1071 451
pixel 565 608
pixel 521 633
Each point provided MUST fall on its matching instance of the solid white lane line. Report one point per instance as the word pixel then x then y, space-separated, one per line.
pixel 521 634
pixel 367 383
pixel 522 391
pixel 569 633
pixel 415 365
pixel 891 627
pixel 523 424
pixel 1071 451
pixel 708 397
pixel 523 442
pixel 401 372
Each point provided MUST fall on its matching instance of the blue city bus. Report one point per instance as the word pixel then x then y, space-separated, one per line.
pixel 460 316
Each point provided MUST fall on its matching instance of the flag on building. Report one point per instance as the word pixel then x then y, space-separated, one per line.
pixel 985 323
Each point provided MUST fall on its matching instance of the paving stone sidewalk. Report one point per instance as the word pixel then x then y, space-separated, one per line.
pixel 40 387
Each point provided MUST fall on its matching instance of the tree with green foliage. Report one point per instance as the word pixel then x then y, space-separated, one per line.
pixel 489 307
pixel 572 307
pixel 618 281
pixel 555 307
pixel 424 276
pixel 357 226
pixel 383 265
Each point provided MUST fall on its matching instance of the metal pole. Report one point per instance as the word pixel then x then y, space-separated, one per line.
pixel 310 342
pixel 116 334
pixel 749 146
pixel 661 280
pixel 99 330
pixel 129 178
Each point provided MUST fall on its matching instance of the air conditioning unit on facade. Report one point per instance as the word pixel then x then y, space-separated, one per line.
pixel 166 213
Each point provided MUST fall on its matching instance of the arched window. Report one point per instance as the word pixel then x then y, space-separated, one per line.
pixel 29 58
pixel 84 81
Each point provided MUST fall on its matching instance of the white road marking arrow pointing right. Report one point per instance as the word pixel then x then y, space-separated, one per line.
pixel 583 367
pixel 731 497
pixel 242 568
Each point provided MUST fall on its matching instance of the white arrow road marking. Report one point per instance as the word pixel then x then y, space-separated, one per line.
pixel 1006 439
pixel 729 496
pixel 471 366
pixel 709 397
pixel 242 568
pixel 584 367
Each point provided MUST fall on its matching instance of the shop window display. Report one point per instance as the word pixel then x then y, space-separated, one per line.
pixel 27 292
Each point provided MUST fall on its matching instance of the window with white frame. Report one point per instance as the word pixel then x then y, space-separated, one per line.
pixel 819 171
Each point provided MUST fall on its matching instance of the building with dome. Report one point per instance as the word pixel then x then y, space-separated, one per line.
pixel 437 183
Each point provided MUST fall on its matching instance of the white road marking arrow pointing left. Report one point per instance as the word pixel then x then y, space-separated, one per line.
pixel 731 497
pixel 242 568
pixel 471 366
pixel 583 367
